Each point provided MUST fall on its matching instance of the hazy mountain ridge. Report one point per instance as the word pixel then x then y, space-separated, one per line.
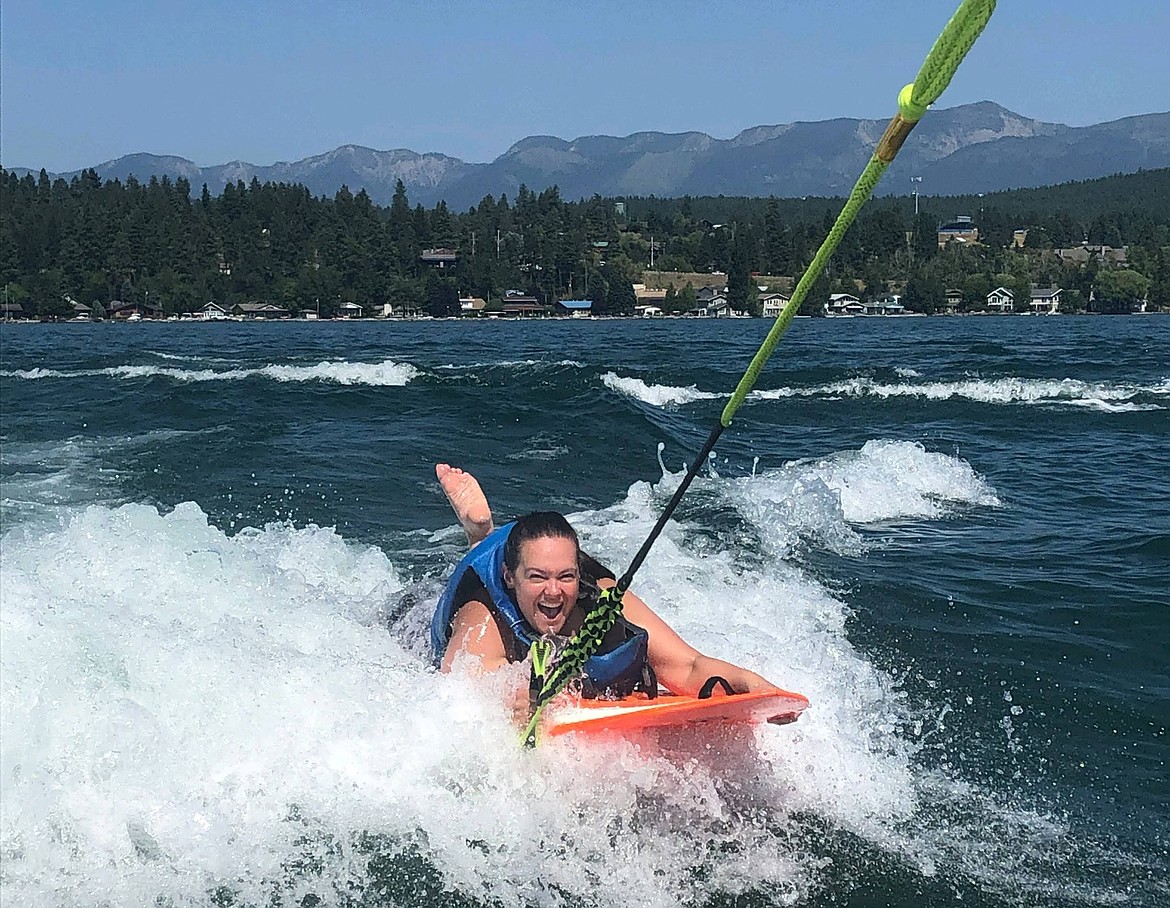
pixel 972 148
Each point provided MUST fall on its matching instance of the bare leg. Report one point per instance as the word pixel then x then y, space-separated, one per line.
pixel 468 502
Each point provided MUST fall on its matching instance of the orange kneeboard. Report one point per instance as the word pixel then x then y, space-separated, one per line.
pixel 639 711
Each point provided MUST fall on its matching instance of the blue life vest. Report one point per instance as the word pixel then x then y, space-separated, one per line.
pixel 621 669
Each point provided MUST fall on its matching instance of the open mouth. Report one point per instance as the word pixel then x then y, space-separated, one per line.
pixel 550 612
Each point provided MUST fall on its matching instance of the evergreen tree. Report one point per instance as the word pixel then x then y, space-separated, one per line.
pixel 442 298
pixel 739 279
pixel 924 292
pixel 598 294
pixel 818 296
pixel 401 229
pixel 621 299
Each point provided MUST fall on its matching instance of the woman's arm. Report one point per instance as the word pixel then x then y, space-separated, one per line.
pixel 680 667
pixel 474 632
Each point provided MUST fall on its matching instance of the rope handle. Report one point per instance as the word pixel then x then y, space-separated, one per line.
pixel 710 684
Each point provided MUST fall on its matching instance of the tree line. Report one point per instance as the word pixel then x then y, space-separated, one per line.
pixel 98 241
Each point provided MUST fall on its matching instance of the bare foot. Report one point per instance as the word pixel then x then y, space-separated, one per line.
pixel 467 500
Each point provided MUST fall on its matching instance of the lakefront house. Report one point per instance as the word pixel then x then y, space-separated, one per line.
pixel 771 304
pixel 1045 300
pixel 887 304
pixel 1001 300
pixel 843 304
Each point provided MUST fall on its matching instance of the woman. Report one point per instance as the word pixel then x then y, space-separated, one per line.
pixel 530 580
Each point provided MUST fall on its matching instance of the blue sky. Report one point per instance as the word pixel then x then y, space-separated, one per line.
pixel 84 82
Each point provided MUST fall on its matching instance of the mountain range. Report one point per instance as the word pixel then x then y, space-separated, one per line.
pixel 973 148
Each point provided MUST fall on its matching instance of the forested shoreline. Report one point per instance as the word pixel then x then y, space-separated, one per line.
pixel 96 242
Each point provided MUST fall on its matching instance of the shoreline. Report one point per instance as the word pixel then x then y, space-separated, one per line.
pixel 915 316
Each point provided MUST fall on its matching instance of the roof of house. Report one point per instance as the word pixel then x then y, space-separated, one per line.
pixel 577 304
pixel 643 293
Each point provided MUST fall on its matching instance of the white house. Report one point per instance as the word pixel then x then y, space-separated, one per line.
pixel 1045 300
pixel 716 307
pixel 401 310
pixel 1001 300
pixel 842 304
pixel 888 304
pixel 773 304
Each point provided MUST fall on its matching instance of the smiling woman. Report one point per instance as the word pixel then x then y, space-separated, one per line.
pixel 528 581
pixel 541 567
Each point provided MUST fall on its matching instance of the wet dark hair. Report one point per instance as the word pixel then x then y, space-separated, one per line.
pixel 537 525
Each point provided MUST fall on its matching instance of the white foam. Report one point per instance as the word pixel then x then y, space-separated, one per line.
pixel 34 374
pixel 178 357
pixel 172 691
pixel 1108 406
pixel 513 364
pixel 173 696
pixel 1113 397
pixel 1008 390
pixel 895 480
pixel 384 374
pixel 183 710
pixel 387 373
pixel 655 395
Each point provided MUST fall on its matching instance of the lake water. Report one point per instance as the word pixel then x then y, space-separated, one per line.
pixel 221 543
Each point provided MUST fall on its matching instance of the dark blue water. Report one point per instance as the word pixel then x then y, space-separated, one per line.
pixel 952 534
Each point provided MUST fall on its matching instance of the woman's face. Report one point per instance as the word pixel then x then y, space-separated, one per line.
pixel 545 582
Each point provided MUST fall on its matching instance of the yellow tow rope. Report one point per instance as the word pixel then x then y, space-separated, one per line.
pixel 933 77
